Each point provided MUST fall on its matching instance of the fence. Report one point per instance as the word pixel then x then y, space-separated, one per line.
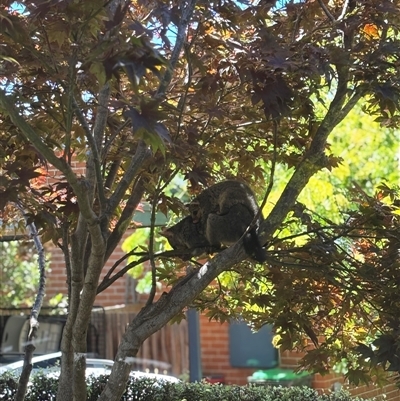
pixel 166 351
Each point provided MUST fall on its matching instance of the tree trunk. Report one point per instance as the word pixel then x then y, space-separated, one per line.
pixel 153 317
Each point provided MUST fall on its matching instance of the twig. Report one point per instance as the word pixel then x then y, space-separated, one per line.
pixel 107 280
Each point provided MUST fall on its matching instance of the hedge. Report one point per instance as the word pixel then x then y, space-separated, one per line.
pixel 44 388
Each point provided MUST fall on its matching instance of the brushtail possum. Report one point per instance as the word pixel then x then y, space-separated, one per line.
pixel 225 210
pixel 220 216
pixel 219 198
pixel 185 236
pixel 228 228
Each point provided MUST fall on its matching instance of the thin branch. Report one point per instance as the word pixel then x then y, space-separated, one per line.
pixel 142 154
pixel 314 159
pixel 205 301
pixel 152 294
pixel 183 98
pixel 144 257
pixel 69 88
pixel 358 94
pixel 344 10
pixel 113 172
pixel 34 324
pixel 81 118
pixel 29 133
pixel 273 166
pixel 119 155
pixel 79 186
pixel 296 25
pixel 120 260
pixel 179 42
pixel 112 138
pixel 318 230
pixel 106 282
pixel 126 217
pixel 65 250
pixel 95 141
pixel 326 11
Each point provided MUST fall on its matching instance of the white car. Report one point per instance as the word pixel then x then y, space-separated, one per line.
pixel 50 365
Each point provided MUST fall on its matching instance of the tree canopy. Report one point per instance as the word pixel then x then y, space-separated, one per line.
pixel 120 97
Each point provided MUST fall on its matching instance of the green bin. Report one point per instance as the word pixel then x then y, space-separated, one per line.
pixel 280 377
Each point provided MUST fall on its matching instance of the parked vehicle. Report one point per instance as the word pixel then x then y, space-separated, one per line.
pixel 50 365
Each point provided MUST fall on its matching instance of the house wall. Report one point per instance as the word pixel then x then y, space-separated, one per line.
pixel 215 362
pixel 122 291
pixel 214 340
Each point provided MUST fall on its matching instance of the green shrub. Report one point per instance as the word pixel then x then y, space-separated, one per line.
pixel 44 388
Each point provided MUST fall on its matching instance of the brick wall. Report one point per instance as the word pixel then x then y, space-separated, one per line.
pixel 386 393
pixel 120 292
pixel 215 362
pixel 214 339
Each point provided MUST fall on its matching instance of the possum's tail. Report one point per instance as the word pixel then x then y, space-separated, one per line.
pixel 253 246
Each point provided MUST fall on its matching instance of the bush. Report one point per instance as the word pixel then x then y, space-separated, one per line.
pixel 44 388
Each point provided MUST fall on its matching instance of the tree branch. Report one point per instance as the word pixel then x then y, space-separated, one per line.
pixel 152 294
pixel 314 159
pixel 93 166
pixel 326 11
pixel 273 166
pixel 34 324
pixel 153 317
pixel 108 280
pixel 142 153
pixel 126 217
pixel 186 15
pixel 344 10
pixel 65 250
pixel 358 94
pixel 81 118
